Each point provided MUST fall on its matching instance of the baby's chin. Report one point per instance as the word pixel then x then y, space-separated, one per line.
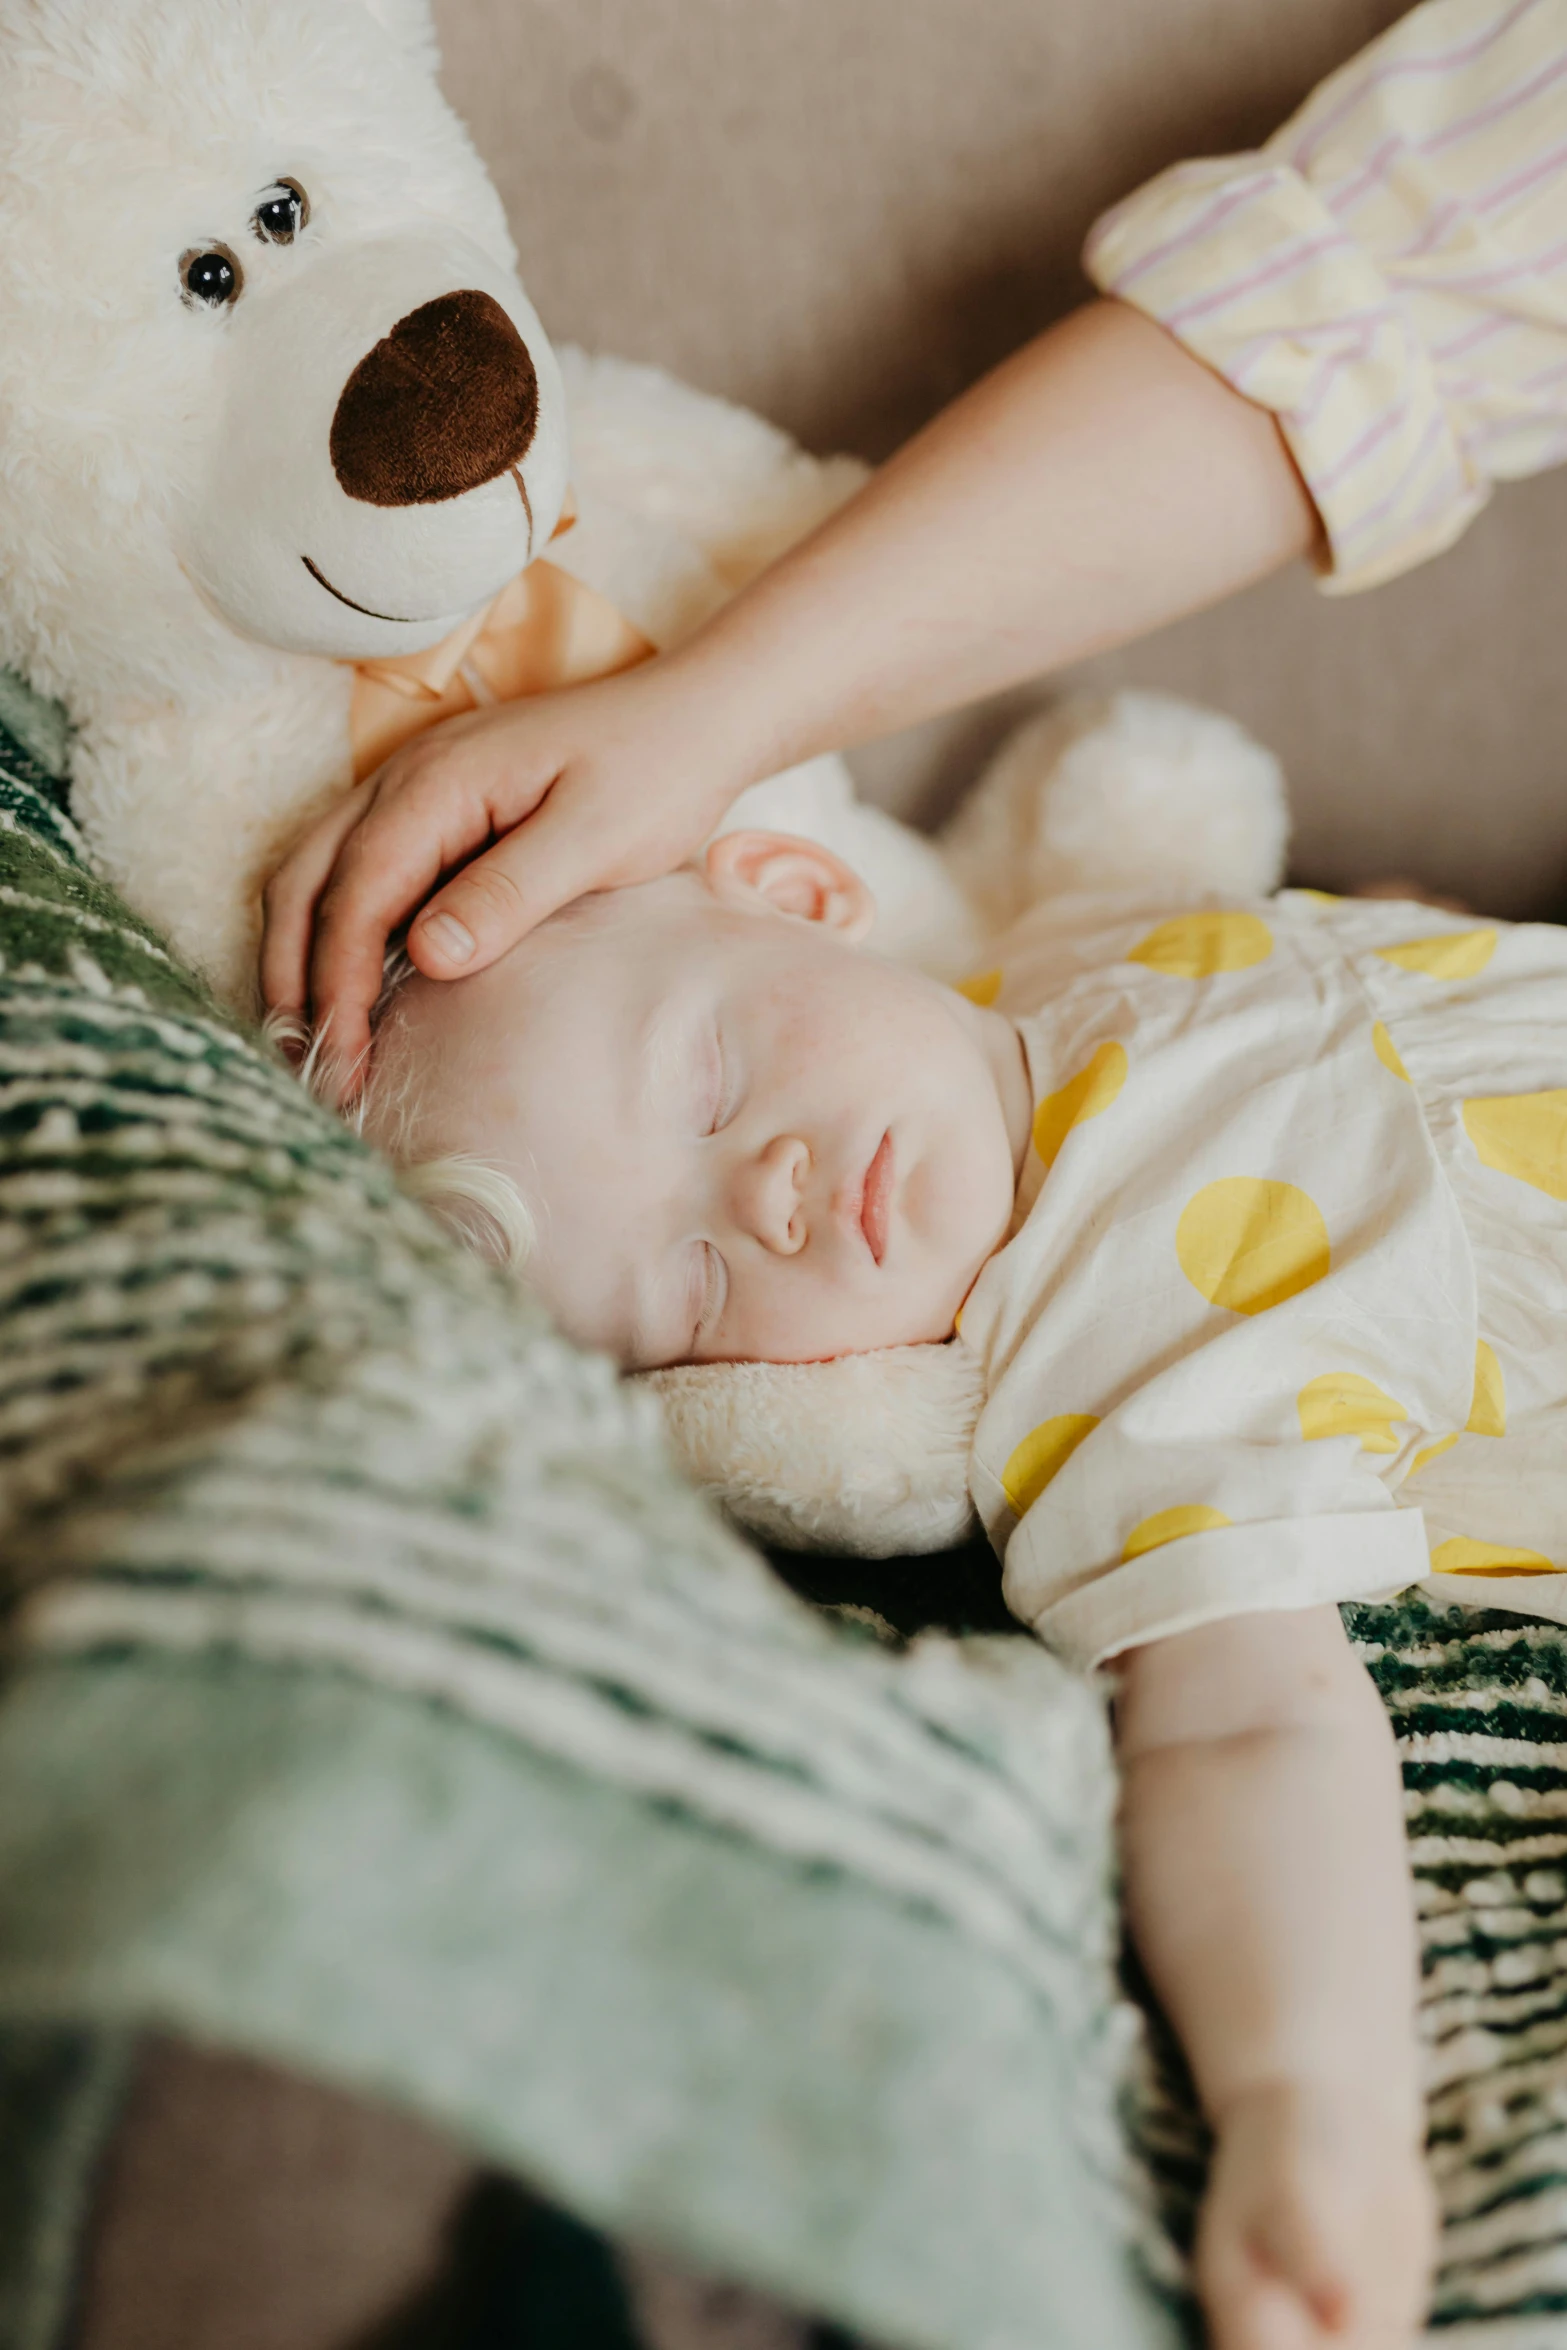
pixel 962 1212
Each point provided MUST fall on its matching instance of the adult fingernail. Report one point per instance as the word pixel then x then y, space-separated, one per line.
pixel 447 935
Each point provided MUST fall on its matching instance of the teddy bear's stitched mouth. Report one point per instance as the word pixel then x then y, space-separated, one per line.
pixel 398 619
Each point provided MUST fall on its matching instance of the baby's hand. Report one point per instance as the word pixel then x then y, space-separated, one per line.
pixel 1319 2226
pixel 610 783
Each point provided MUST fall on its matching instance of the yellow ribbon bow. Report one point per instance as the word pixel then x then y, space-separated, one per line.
pixel 544 629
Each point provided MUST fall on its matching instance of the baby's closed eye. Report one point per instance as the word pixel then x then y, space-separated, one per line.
pixel 717 1091
pixel 709 1279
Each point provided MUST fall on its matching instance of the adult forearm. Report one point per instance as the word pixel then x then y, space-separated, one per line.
pixel 1099 483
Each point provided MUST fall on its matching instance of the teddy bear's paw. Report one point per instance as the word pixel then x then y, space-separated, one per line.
pixel 725 480
pixel 867 1455
pixel 1128 791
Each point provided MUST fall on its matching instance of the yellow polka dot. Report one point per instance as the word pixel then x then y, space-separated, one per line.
pixel 1191 1517
pixel 982 989
pixel 1195 946
pixel 1247 1243
pixel 1341 1403
pixel 1093 1089
pixel 1522 1134
pixel 1463 1557
pixel 1488 1410
pixel 1043 1452
pixel 1456 954
pixel 1387 1052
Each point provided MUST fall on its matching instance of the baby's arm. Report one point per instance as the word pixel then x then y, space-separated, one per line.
pixel 1268 1896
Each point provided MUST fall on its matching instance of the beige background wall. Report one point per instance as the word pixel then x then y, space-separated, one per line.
pixel 841 210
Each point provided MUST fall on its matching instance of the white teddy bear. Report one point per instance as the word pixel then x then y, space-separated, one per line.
pixel 276 415
pixel 286 475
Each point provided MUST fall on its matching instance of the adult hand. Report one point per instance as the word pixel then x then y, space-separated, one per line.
pixel 526 806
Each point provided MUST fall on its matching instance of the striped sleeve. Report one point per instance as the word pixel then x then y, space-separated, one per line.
pixel 1388 275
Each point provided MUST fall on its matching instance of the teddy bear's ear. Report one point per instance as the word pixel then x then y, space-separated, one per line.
pixel 411 23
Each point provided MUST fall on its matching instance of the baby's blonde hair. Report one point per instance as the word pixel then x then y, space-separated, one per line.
pixel 479 1203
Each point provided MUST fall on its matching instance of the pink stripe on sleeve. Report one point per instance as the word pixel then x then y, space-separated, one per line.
pixel 1205 222
pixel 1443 217
pixel 1495 111
pixel 1374 173
pixel 1486 281
pixel 1540 169
pixel 1372 438
pixel 1449 490
pixel 1282 265
pixel 1371 175
pixel 1395 68
pixel 1435 431
pixel 1458 346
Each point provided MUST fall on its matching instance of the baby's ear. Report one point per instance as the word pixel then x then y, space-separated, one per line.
pixel 791 876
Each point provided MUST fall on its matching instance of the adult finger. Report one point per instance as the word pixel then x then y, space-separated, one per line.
pixel 290 898
pixel 385 867
pixel 598 828
pixel 497 899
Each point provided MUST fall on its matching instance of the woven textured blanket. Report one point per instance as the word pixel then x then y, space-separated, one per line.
pixel 378 1699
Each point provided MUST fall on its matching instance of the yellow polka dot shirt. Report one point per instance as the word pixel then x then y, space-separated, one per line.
pixel 1283 1315
pixel 1388 275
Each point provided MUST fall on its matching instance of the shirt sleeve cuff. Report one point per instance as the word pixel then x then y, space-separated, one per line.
pixel 1236 1571
pixel 1241 260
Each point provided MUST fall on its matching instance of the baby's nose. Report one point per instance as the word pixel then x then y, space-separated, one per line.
pixel 768 1191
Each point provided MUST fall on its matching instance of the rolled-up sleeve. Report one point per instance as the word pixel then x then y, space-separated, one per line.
pixel 1388 276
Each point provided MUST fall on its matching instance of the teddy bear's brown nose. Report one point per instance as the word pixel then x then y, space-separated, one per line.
pixel 445 402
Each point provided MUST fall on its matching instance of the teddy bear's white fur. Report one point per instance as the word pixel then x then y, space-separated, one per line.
pixel 184 561
pixel 214 215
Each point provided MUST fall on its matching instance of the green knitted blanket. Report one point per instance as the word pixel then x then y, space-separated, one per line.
pixel 378 1700
pixel 1479 1704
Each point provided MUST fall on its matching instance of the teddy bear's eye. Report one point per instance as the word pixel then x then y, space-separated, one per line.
pixel 210 275
pixel 282 213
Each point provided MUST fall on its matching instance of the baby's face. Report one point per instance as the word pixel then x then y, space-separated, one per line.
pixel 741 1136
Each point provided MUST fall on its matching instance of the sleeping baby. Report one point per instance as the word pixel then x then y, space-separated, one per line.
pixel 1254 1219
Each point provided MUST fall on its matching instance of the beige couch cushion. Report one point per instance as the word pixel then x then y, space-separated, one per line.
pixel 843 210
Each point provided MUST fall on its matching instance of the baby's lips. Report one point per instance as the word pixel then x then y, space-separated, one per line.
pixel 876 1199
